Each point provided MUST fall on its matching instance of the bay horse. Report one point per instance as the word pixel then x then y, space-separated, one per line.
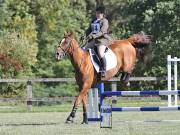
pixel 86 76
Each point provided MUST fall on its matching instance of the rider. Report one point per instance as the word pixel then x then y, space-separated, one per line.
pixel 97 35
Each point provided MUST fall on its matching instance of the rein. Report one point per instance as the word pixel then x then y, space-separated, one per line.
pixel 68 47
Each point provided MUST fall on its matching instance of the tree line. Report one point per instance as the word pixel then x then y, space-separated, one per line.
pixel 30 32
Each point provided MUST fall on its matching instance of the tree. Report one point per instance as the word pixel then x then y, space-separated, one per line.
pixel 18 36
pixel 18 43
pixel 33 29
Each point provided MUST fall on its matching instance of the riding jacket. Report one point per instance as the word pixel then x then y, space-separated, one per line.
pixel 99 30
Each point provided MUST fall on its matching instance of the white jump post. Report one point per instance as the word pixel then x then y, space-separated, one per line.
pixel 93 107
pixel 169 79
pixel 90 104
pixel 170 76
pixel 175 81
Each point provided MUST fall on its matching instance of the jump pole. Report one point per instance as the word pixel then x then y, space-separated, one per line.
pixel 149 108
pixel 140 93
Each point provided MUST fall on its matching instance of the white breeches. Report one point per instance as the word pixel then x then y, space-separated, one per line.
pixel 101 49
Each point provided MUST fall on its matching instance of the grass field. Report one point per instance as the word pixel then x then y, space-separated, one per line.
pixel 65 107
pixel 50 120
pixel 124 123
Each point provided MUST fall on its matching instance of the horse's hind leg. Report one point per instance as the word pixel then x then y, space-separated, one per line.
pixel 125 77
pixel 127 70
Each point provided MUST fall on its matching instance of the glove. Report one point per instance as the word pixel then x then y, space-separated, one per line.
pixel 83 37
pixel 90 37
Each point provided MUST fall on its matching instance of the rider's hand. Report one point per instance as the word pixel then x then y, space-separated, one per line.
pixel 90 37
pixel 82 38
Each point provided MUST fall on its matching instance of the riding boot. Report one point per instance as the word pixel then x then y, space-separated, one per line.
pixel 103 67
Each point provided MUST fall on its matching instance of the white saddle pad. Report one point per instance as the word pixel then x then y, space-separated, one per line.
pixel 111 60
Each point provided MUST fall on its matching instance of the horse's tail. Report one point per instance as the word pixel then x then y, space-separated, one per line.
pixel 142 43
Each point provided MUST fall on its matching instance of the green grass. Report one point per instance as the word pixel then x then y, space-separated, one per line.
pixel 124 123
pixel 45 108
pixel 141 103
pixel 65 107
pixel 50 120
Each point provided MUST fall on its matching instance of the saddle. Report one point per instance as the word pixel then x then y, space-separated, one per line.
pixel 111 60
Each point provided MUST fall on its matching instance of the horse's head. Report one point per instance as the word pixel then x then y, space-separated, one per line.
pixel 64 46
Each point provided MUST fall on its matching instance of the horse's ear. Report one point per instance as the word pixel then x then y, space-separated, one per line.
pixel 65 34
pixel 68 34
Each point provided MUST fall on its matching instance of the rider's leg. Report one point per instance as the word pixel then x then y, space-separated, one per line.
pixel 101 49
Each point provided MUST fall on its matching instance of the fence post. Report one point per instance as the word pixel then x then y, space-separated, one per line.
pixel 29 95
pixel 114 89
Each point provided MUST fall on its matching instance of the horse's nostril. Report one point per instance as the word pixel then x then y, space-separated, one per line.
pixel 57 53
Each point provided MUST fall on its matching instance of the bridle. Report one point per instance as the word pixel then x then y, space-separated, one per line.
pixel 67 48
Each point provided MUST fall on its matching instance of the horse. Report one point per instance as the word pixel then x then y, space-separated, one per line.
pixel 86 76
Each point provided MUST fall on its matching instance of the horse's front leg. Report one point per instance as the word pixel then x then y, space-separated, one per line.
pixel 85 118
pixel 75 107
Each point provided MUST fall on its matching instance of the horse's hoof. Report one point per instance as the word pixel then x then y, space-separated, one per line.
pixel 69 121
pixel 84 122
pixel 126 84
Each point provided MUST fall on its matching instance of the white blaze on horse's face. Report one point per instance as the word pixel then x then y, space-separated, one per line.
pixel 60 53
pixel 62 41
